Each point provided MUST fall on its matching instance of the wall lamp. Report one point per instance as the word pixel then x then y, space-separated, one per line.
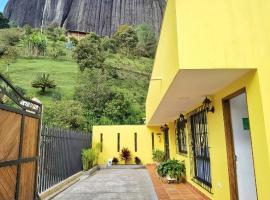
pixel 207 104
pixel 164 128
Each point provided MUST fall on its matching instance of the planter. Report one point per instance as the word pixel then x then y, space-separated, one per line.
pixel 170 179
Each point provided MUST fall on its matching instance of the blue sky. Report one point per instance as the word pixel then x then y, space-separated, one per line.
pixel 2 4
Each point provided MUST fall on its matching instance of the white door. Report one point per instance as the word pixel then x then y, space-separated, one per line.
pixel 243 149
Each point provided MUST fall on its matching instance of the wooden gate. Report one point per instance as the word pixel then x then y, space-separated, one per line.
pixel 19 143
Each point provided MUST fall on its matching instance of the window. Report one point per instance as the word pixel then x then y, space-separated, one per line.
pixel 181 139
pixel 118 142
pixel 101 142
pixel 200 148
pixel 153 141
pixel 135 142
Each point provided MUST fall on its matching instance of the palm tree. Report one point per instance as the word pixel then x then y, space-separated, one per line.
pixel 43 81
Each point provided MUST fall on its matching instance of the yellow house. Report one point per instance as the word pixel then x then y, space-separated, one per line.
pixel 211 85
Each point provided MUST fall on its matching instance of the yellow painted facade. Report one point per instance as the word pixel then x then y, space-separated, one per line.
pixel 207 37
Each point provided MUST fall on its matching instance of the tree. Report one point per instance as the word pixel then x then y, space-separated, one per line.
pixel 65 114
pixel 43 81
pixel 28 30
pixel 89 53
pixel 3 21
pixel 35 43
pixel 93 91
pixel 126 38
pixel 147 41
pixel 12 24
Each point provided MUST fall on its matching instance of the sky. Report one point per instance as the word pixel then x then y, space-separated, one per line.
pixel 2 4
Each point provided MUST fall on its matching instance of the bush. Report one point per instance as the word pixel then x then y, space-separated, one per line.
pixel 173 168
pixel 89 53
pixel 12 37
pixel 147 41
pixel 3 22
pixel 65 114
pixel 57 52
pixel 158 156
pixel 108 44
pixel 88 158
pixel 126 38
pixel 125 155
pixel 138 160
pixel 63 38
pixel 115 161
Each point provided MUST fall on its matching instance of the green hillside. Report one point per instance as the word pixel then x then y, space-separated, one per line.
pixel 99 80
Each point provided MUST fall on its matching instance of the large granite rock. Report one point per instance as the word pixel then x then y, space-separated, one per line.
pixel 100 16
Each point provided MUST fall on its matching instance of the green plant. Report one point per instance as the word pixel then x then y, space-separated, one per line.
pixel 125 155
pixel 172 168
pixel 115 161
pixel 88 158
pixel 158 156
pixel 126 38
pixel 138 160
pixel 74 40
pixel 3 21
pixel 43 81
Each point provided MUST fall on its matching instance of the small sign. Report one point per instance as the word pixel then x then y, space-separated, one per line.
pixel 246 124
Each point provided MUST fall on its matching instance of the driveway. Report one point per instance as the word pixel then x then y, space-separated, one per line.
pixel 118 184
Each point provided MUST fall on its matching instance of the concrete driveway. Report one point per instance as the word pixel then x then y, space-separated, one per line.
pixel 118 184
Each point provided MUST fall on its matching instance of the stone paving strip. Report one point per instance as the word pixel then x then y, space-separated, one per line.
pixel 112 184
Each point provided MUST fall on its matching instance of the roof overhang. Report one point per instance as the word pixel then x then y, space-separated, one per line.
pixel 189 88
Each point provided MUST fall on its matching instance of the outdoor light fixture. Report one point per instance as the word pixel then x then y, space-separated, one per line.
pixel 207 103
pixel 159 136
pixel 164 128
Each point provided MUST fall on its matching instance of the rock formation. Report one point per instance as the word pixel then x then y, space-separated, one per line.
pixel 100 16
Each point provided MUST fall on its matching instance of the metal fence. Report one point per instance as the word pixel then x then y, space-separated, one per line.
pixel 60 155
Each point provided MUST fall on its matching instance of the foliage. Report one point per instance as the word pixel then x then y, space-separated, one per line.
pixel 35 43
pixel 138 160
pixel 158 156
pixel 88 158
pixel 11 37
pixel 57 52
pixel 173 168
pixel 108 44
pixel 43 81
pixel 28 30
pixel 115 161
pixel 10 54
pixel 89 53
pixel 74 40
pixel 147 41
pixel 3 21
pixel 65 114
pixel 125 155
pixel 126 38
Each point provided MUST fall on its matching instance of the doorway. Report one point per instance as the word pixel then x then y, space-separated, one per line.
pixel 239 147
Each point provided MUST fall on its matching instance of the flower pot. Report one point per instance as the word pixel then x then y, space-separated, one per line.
pixel 170 179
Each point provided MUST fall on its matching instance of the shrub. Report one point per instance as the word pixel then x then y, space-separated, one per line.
pixel 147 41
pixel 88 158
pixel 65 114
pixel 57 52
pixel 125 155
pixel 43 81
pixel 89 53
pixel 11 37
pixel 173 168
pixel 158 156
pixel 3 21
pixel 108 44
pixel 125 38
pixel 115 161
pixel 138 160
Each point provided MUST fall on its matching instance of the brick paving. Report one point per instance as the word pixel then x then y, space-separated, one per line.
pixel 171 191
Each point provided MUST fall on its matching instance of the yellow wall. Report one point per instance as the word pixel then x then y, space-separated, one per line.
pixel 217 142
pixel 144 141
pixel 167 57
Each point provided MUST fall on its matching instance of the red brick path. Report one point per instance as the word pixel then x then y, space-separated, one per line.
pixel 167 191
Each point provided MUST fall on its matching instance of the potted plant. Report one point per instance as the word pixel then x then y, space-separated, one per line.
pixel 138 160
pixel 172 170
pixel 115 161
pixel 158 156
pixel 125 155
